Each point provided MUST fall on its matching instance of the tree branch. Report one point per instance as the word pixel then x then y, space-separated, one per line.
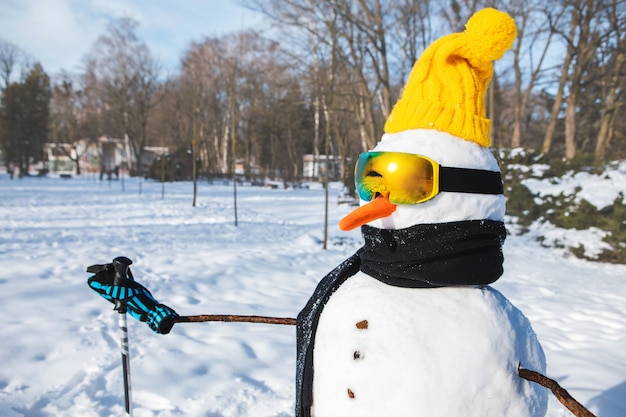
pixel 561 394
pixel 235 318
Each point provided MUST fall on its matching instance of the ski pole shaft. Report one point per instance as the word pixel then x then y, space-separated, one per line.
pixel 125 363
pixel 120 264
pixel 234 318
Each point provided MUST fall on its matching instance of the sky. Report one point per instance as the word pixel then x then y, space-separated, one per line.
pixel 59 33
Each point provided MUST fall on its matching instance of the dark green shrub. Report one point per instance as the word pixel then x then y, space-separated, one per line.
pixel 564 211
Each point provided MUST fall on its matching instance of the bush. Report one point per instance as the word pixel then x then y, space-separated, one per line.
pixel 564 211
pixel 161 170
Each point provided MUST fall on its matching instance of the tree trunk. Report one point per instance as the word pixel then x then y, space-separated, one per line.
pixel 558 98
pixel 570 124
pixel 194 146
pixel 518 109
pixel 609 109
pixel 588 42
pixel 522 95
pixel 606 119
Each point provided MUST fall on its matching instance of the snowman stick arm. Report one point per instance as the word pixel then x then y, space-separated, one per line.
pixel 235 318
pixel 560 393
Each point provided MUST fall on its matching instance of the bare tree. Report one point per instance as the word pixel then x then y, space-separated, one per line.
pixel 68 120
pixel 194 92
pixel 10 55
pixel 128 76
pixel 581 40
pixel 532 28
pixel 208 77
pixel 612 54
pixel 457 12
pixel 414 31
pixel 553 18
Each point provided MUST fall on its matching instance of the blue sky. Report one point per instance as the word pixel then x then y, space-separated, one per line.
pixel 59 33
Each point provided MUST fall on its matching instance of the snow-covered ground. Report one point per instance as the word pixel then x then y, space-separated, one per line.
pixel 59 344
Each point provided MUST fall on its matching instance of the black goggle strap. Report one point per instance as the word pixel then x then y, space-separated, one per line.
pixel 472 181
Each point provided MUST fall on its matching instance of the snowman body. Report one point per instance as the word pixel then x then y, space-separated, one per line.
pixel 382 350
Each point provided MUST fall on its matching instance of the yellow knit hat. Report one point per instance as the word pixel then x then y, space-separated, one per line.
pixel 447 85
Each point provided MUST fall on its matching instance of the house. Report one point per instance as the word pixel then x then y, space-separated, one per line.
pixel 314 167
pixel 105 155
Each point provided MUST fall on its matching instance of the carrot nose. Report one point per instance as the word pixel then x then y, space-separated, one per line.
pixel 375 209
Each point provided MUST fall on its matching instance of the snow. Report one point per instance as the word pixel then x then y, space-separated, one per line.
pixel 590 239
pixel 599 190
pixel 60 343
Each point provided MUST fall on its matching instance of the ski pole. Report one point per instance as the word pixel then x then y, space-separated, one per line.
pixel 120 264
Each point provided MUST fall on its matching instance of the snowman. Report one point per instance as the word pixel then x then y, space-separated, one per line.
pixel 409 325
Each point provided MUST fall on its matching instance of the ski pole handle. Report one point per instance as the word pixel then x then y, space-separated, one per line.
pixel 120 265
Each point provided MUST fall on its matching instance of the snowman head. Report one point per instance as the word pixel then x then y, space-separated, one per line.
pixel 433 163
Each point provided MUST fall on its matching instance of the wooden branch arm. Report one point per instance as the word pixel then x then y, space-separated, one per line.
pixel 234 318
pixel 560 393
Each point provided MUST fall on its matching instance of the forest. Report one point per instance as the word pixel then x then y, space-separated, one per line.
pixel 320 77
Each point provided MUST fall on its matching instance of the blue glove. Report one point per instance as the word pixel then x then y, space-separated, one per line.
pixel 132 297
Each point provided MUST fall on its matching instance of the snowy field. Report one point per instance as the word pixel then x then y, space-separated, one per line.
pixel 59 341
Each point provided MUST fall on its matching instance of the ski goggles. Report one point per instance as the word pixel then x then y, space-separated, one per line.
pixel 406 178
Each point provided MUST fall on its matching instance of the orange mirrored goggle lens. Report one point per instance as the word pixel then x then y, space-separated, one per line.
pixel 406 178
pixel 403 178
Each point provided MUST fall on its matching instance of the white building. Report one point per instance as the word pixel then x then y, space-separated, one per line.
pixel 315 167
pixel 105 155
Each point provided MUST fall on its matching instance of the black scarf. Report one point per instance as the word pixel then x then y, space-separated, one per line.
pixel 421 256
pixel 435 255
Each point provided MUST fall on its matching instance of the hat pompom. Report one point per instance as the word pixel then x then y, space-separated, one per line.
pixel 489 33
